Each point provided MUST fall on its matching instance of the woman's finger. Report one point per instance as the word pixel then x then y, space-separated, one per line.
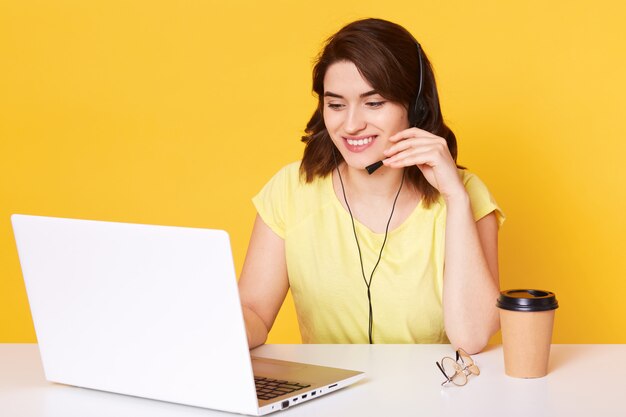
pixel 409 133
pixel 426 155
pixel 414 142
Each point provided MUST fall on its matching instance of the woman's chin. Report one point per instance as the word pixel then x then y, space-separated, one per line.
pixel 360 161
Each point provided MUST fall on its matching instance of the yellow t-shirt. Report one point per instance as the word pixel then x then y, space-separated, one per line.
pixel 324 270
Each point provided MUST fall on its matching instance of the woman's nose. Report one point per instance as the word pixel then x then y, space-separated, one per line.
pixel 355 121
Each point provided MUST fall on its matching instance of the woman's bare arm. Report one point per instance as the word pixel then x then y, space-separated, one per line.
pixel 471 283
pixel 263 283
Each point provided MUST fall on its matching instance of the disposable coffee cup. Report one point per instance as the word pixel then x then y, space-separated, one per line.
pixel 526 319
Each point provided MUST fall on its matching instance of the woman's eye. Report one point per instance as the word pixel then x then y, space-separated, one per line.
pixel 334 106
pixel 375 103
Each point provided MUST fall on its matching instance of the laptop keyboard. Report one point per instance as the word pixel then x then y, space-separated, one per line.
pixel 267 388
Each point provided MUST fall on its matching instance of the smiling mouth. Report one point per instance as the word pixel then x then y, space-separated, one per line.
pixel 358 145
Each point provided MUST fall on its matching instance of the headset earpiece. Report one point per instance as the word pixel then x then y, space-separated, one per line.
pixel 419 89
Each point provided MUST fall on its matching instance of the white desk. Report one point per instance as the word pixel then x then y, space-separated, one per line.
pixel 402 380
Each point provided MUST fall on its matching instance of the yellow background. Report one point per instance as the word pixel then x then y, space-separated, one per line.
pixel 178 112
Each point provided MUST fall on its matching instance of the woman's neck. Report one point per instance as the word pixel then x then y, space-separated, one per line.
pixel 382 185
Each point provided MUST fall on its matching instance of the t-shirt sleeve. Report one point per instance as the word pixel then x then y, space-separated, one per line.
pixel 271 202
pixel 481 199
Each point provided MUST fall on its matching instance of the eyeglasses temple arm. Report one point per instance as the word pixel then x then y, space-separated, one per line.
pixel 442 371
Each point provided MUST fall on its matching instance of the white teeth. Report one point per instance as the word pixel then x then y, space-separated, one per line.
pixel 360 141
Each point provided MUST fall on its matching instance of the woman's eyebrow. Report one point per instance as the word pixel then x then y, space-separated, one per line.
pixel 335 95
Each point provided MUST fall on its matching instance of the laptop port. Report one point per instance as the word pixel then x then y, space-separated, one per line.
pixel 304 396
pixel 284 405
pixel 332 386
pixel 313 393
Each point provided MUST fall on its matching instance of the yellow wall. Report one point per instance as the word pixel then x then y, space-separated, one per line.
pixel 177 113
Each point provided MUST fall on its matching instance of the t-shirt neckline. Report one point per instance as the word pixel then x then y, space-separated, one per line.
pixel 337 203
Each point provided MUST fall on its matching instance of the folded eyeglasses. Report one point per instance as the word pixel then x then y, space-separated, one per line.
pixel 457 371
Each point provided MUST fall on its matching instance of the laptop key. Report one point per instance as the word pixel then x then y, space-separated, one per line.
pixel 268 388
pixel 292 387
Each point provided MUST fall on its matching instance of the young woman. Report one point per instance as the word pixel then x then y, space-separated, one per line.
pixel 406 254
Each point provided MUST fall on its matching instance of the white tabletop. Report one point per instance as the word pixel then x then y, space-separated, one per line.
pixel 401 380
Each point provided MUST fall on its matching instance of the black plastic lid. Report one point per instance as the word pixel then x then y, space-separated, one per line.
pixel 527 300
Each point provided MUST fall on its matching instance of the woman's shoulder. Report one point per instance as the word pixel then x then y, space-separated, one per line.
pixel 481 198
pixel 471 180
pixel 291 170
pixel 287 198
pixel 288 183
pixel 474 184
pixel 467 175
pixel 290 176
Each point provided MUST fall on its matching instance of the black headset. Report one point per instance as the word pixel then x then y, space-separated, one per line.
pixel 373 167
pixel 419 89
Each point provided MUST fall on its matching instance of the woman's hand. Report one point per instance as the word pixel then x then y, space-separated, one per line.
pixel 431 155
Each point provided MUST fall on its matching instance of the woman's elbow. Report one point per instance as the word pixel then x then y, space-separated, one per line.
pixel 471 345
pixel 471 342
pixel 256 330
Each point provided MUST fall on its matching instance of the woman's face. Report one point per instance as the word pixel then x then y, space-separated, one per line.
pixel 358 119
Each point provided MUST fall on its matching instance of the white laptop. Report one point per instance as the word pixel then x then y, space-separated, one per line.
pixel 153 312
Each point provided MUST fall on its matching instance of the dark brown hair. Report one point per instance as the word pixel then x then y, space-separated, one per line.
pixel 387 56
